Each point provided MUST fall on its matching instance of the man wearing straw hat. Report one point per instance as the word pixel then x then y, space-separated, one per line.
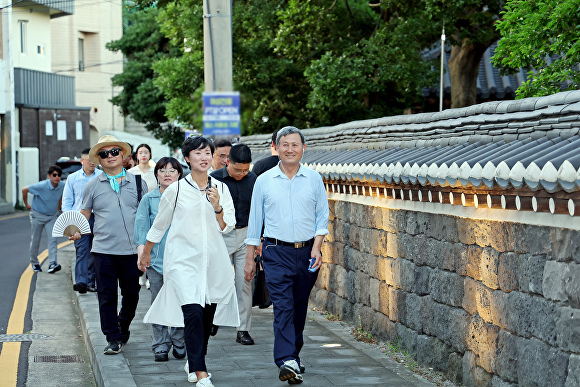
pixel 113 198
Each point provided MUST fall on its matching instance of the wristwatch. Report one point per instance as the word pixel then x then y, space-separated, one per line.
pixel 220 211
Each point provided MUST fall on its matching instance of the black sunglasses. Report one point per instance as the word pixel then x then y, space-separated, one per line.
pixel 105 153
pixel 55 174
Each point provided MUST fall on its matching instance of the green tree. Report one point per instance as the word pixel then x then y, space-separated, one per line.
pixel 541 37
pixel 142 45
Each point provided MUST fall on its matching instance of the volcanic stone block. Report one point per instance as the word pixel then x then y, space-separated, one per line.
pixel 392 245
pixel 506 365
pixel 531 273
pixel 404 274
pixel 474 376
pixel 454 367
pixel 386 270
pixel 450 325
pixel 540 364
pixel 374 285
pixel 498 382
pixel 482 340
pixel 397 299
pixel 443 228
pixel 538 240
pixel 501 238
pixel 572 282
pixel 350 286
pixel 341 209
pixel 361 287
pixel 408 338
pixel 507 274
pixel 422 274
pixel 469 302
pixel 323 280
pixel 553 284
pixel 568 329
pixel 383 328
pixel 468 262
pixel 427 315
pixel 413 312
pixel 573 378
pixel 390 220
pixel 409 245
pixel 341 230
pixel 425 349
pixel 488 268
pixel 446 287
pixel 449 254
pixel 565 244
pixel 492 305
pixel 337 281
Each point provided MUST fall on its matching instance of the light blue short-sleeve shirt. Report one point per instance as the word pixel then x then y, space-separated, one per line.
pixel 46 197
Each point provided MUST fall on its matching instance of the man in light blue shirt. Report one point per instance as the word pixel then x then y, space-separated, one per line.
pixel 43 213
pixel 72 198
pixel 290 202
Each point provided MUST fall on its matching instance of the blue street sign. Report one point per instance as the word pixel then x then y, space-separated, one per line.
pixel 221 114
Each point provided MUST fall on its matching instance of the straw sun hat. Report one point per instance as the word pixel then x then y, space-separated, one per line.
pixel 104 141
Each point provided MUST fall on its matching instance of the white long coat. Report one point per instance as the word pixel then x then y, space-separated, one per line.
pixel 196 264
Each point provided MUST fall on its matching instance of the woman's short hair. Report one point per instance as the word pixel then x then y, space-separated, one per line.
pixel 288 130
pixel 144 146
pixel 196 142
pixel 169 160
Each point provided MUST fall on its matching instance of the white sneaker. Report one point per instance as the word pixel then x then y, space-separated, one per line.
pixel 192 377
pixel 205 382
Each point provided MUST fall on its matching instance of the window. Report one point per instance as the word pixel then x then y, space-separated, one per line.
pixel 40 49
pixel 81 55
pixel 22 26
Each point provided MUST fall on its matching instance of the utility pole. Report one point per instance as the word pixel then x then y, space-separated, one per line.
pixel 217 47
pixel 442 62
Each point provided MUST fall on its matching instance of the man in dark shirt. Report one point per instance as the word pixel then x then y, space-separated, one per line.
pixel 269 162
pixel 240 181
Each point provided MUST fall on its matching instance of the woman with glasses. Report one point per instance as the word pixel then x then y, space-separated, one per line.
pixel 198 276
pixel 144 167
pixel 167 171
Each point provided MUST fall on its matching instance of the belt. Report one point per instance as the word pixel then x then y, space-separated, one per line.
pixel 296 245
pixel 239 227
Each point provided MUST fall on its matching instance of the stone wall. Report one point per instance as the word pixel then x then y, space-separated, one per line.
pixel 490 303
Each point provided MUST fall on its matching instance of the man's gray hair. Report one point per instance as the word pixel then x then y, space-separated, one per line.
pixel 288 130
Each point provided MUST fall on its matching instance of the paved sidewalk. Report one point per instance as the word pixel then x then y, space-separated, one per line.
pixel 330 354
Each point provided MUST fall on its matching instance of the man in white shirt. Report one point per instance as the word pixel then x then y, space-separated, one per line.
pixel 72 199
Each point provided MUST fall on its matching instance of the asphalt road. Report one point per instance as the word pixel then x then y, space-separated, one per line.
pixel 14 259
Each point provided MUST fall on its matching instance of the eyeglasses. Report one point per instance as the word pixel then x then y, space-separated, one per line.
pixel 105 153
pixel 241 171
pixel 56 174
pixel 168 171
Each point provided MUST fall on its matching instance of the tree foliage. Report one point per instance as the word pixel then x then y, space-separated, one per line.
pixel 541 37
pixel 143 44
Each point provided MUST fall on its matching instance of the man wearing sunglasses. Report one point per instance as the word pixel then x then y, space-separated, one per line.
pixel 43 213
pixel 113 199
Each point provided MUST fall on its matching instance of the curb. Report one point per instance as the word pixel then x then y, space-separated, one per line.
pixel 108 370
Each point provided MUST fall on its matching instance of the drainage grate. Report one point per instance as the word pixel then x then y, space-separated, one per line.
pixel 59 359
pixel 22 337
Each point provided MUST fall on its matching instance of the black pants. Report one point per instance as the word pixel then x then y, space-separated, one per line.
pixel 198 322
pixel 113 271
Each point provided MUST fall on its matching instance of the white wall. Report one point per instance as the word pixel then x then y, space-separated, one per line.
pixel 27 170
pixel 37 34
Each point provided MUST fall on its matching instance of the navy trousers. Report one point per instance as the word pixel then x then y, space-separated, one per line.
pixel 84 267
pixel 198 322
pixel 113 271
pixel 289 283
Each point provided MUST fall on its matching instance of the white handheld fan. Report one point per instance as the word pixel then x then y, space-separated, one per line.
pixel 70 222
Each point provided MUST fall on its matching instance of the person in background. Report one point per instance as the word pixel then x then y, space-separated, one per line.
pixel 240 181
pixel 290 201
pixel 220 155
pixel 72 199
pixel 144 167
pixel 113 198
pixel 198 280
pixel 128 161
pixel 43 213
pixel 269 162
pixel 167 170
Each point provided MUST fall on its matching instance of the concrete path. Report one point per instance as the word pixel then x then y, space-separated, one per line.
pixel 331 356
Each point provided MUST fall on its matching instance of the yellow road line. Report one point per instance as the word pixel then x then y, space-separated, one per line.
pixel 11 350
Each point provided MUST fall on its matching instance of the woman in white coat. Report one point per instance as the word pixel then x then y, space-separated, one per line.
pixel 198 275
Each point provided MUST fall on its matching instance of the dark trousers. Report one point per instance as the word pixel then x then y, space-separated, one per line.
pixel 289 283
pixel 198 322
pixel 84 267
pixel 113 271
